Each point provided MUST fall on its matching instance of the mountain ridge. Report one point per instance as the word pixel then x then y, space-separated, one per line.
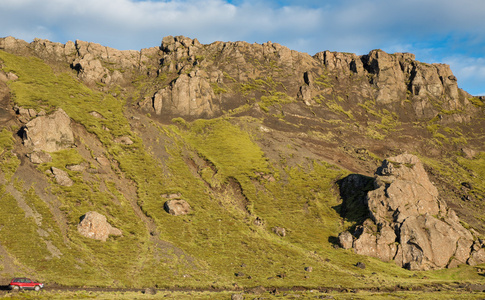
pixel 254 137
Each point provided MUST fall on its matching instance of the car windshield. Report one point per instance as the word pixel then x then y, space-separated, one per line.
pixel 22 280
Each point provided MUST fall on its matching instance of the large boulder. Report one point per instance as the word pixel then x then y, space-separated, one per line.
pixel 407 222
pixel 39 157
pixel 93 225
pixel 177 207
pixel 61 176
pixel 49 133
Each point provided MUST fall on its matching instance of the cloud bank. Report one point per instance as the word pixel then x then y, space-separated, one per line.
pixel 435 30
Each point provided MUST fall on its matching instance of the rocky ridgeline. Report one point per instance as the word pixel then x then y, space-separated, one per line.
pixel 408 222
pixel 187 77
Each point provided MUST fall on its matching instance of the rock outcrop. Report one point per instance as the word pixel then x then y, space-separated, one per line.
pixel 93 225
pixel 395 78
pixel 408 222
pixel 189 95
pixel 186 75
pixel 49 133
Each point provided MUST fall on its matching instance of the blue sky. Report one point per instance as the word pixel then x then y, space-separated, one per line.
pixel 442 31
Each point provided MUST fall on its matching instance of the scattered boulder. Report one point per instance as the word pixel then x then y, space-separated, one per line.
pixel 407 222
pixel 345 240
pixel 239 274
pixel 477 257
pixel 78 168
pixel 305 93
pixel 469 153
pixel 360 265
pixel 61 176
pixel 39 157
pixel 258 221
pixel 125 140
pixel 177 207
pixel 476 287
pixel 309 269
pixel 150 291
pixel 96 115
pixel 280 231
pixel 239 296
pixel 11 76
pixel 258 290
pixel 49 133
pixel 25 114
pixel 103 160
pixel 94 225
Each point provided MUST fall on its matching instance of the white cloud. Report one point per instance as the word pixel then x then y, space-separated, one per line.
pixel 469 71
pixel 350 25
pixel 433 29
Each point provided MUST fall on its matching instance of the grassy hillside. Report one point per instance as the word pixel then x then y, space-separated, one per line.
pixel 239 192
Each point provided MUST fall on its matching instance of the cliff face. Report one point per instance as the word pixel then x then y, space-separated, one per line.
pixel 189 79
pixel 187 150
pixel 408 222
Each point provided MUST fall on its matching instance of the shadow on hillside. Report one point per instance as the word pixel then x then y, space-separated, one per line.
pixel 4 288
pixel 353 190
pixel 21 133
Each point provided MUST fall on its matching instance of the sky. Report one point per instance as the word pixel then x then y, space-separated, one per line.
pixel 436 31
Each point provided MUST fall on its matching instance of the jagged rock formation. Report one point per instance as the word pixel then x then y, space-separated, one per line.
pixel 394 78
pixel 93 225
pixel 187 76
pixel 188 95
pixel 408 222
pixel 49 133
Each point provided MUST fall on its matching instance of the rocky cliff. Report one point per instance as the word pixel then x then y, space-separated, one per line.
pixel 191 79
pixel 133 168
pixel 408 223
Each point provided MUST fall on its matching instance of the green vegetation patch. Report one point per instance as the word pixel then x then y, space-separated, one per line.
pixel 476 101
pixel 39 88
pixel 8 160
pixel 272 92
pixel 217 89
pixel 230 149
pixel 476 173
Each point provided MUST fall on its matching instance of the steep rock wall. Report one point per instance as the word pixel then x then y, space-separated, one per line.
pixel 391 80
pixel 408 222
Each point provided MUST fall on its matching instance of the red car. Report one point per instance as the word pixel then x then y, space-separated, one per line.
pixel 24 283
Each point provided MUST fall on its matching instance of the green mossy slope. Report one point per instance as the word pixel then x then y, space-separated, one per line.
pixel 237 193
